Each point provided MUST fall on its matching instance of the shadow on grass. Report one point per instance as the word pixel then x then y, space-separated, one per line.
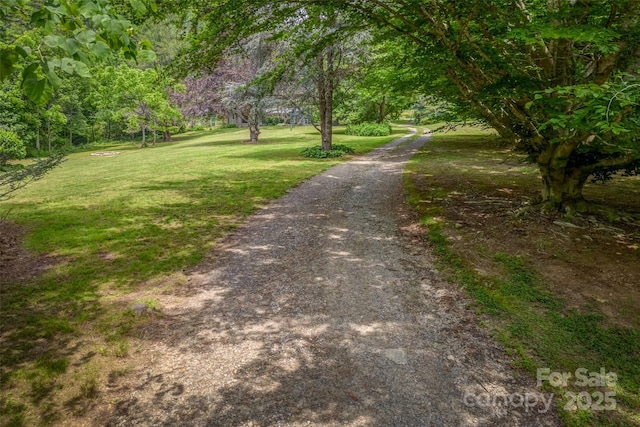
pixel 113 246
pixel 274 335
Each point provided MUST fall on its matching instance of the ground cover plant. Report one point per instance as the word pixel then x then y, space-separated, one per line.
pixel 560 292
pixel 369 129
pixel 102 229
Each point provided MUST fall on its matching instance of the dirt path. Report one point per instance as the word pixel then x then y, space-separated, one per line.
pixel 321 310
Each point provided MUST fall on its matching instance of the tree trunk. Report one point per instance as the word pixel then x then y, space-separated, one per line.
pixel 38 140
pixel 325 87
pixel 562 183
pixel 144 137
pixel 253 119
pixel 254 132
pixel 49 134
pixel 250 114
pixel 562 187
pixel 155 131
pixel 70 138
pixel 166 136
pixel 382 110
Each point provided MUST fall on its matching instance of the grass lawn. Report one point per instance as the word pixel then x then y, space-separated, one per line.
pixel 111 225
pixel 560 293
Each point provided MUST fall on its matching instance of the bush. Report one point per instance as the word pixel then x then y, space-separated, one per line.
pixel 271 121
pixel 369 129
pixel 228 126
pixel 11 147
pixel 317 152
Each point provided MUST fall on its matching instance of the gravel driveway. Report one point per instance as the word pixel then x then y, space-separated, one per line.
pixel 323 309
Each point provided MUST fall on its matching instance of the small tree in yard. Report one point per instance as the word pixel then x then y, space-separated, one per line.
pixel 141 98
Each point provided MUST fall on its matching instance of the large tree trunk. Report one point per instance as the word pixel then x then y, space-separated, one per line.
pixel 562 189
pixel 166 136
pixel 562 183
pixel 326 87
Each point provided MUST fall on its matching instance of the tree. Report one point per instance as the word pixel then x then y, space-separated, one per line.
pixel 140 97
pixel 43 42
pixel 308 47
pixel 377 88
pixel 66 37
pixel 557 78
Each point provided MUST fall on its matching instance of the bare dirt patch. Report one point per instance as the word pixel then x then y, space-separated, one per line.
pixel 17 264
pixel 593 263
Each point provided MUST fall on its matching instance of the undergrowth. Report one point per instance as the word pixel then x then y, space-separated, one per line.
pixel 369 129
pixel 337 150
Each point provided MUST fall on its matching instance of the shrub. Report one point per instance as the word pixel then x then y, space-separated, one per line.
pixel 11 146
pixel 228 126
pixel 369 129
pixel 271 121
pixel 317 152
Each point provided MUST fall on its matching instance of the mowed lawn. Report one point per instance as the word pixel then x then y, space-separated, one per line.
pixel 110 225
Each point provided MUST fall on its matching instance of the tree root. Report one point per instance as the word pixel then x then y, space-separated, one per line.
pixel 581 209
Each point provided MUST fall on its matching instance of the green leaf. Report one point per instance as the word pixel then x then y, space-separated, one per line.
pixel 71 46
pixel 53 79
pixel 88 36
pixel 100 49
pixel 30 69
pixel 56 10
pixel 54 63
pixel 24 51
pixel 82 70
pixel 88 9
pixel 147 55
pixel 68 65
pixel 54 41
pixel 138 6
pixel 38 90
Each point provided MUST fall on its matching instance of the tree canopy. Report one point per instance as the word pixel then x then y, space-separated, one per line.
pixel 557 78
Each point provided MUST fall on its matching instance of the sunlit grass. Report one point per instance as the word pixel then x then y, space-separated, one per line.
pixel 115 224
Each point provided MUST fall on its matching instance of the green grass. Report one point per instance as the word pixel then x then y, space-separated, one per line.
pixel 535 324
pixel 115 224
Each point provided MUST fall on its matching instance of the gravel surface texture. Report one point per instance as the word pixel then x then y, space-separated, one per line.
pixel 323 309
